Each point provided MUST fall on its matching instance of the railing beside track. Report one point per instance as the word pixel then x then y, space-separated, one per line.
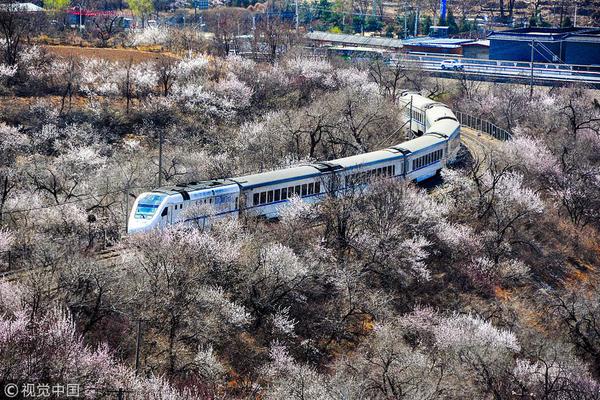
pixel 483 125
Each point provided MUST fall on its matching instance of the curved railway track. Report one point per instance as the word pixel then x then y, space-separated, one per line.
pixel 480 145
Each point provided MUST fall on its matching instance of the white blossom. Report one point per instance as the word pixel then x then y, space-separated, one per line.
pixel 465 331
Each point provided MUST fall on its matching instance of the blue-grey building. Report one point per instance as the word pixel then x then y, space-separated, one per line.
pixel 550 45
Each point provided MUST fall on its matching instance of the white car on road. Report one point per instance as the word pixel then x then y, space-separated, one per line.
pixel 455 65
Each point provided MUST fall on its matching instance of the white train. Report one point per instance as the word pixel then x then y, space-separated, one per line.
pixel 263 194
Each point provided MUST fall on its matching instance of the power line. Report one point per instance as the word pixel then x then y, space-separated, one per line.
pixel 84 197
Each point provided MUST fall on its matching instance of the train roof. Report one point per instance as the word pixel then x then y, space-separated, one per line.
pixel 277 176
pixel 364 159
pixel 194 186
pixel 435 113
pixel 419 101
pixel 420 143
pixel 445 126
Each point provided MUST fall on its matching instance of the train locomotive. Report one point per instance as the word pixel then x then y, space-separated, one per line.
pixel 436 142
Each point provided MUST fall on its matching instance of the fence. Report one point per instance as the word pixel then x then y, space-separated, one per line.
pixel 483 126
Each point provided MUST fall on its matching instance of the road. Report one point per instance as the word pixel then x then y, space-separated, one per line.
pixel 543 74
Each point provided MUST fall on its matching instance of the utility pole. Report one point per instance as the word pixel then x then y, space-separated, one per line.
pixel 80 18
pixel 531 83
pixel 417 21
pixel 575 18
pixel 410 116
pixel 297 17
pixel 127 207
pixel 138 344
pixel 405 23
pixel 160 151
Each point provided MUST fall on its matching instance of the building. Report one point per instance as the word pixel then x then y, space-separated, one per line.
pixel 477 49
pixel 333 39
pixel 468 48
pixel 20 7
pixel 549 45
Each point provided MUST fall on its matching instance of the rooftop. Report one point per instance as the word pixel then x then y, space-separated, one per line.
pixel 365 41
pixel 20 7
pixel 548 33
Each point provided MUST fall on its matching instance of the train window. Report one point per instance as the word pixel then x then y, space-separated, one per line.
pixel 311 188
pixel 255 199
pixel 317 187
pixel 210 200
pixel 283 193
pixel 297 190
pixel 270 196
pixel 277 195
pixel 304 189
pixel 263 197
pixel 290 192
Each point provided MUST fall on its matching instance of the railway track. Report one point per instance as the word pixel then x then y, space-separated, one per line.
pixel 108 258
pixel 480 145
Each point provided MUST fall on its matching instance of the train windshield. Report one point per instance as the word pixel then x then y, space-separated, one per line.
pixel 148 205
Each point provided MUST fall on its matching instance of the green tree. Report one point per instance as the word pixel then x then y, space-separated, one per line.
pixel 56 5
pixel 325 10
pixel 141 8
pixel 374 24
pixel 452 25
pixel 390 29
pixel 567 23
pixel 426 24
pixel 358 23
pixel 465 25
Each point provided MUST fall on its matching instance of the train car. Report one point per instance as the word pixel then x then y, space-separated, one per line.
pixel 168 205
pixel 415 108
pixel 263 194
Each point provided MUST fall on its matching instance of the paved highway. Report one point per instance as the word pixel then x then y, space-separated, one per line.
pixel 544 74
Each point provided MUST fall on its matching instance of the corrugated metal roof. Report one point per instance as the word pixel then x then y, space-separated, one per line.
pixel 369 41
pixel 547 34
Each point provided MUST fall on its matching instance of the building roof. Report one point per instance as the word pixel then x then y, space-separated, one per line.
pixel 20 7
pixel 548 34
pixel 443 43
pixel 356 40
pixel 484 43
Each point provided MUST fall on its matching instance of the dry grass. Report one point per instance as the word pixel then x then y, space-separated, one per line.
pixel 137 56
